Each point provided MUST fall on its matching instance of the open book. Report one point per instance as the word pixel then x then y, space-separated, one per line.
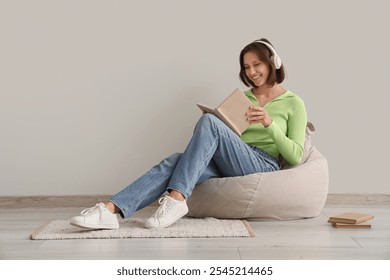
pixel 232 111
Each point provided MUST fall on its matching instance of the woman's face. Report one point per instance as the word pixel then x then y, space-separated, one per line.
pixel 256 70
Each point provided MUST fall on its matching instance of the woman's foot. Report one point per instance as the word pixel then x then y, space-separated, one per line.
pixel 170 211
pixel 97 217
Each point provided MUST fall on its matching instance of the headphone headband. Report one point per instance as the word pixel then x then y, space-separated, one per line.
pixel 274 57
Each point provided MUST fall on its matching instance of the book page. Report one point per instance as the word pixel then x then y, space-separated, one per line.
pixel 205 109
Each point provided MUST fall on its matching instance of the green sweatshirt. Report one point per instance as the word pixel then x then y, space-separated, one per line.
pixel 285 136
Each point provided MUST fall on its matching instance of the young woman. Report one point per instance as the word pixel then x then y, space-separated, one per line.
pixel 278 122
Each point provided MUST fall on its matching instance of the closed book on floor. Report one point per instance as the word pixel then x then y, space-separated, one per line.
pixel 361 225
pixel 350 218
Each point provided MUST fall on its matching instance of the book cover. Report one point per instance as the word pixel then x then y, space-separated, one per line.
pixel 360 225
pixel 232 111
pixel 350 218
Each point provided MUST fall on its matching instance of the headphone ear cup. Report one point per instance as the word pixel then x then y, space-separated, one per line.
pixel 274 57
pixel 277 61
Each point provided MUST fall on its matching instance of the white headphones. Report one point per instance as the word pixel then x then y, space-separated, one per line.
pixel 274 57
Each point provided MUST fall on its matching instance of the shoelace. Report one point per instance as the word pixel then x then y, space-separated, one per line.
pixel 165 205
pixel 91 210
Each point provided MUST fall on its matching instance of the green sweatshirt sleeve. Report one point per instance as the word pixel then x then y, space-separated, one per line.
pixel 291 145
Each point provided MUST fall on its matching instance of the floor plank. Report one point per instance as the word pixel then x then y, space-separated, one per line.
pixel 297 239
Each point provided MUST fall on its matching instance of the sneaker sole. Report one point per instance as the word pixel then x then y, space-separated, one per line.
pixel 89 226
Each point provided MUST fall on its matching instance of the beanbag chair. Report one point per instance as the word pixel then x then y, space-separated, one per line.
pixel 293 192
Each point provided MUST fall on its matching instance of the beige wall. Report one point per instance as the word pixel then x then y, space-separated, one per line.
pixel 93 93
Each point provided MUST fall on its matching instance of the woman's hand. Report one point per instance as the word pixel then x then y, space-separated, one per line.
pixel 257 114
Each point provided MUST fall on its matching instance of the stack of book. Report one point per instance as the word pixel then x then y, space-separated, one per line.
pixel 351 220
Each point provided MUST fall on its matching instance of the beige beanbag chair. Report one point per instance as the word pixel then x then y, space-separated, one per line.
pixel 290 193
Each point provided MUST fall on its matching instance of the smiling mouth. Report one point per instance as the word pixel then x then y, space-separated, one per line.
pixel 256 77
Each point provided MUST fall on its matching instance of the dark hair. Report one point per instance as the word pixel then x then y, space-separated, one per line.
pixel 264 54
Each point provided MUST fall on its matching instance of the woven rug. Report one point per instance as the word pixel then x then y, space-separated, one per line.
pixel 134 228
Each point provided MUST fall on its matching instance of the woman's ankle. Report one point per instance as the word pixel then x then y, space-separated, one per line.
pixel 111 207
pixel 176 195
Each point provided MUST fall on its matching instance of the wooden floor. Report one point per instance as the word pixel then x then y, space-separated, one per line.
pixel 300 239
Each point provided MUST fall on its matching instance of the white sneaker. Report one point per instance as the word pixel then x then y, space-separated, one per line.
pixel 97 217
pixel 170 211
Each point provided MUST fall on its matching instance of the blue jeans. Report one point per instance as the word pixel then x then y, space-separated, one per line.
pixel 214 151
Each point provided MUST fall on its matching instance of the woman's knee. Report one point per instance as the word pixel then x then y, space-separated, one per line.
pixel 207 120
